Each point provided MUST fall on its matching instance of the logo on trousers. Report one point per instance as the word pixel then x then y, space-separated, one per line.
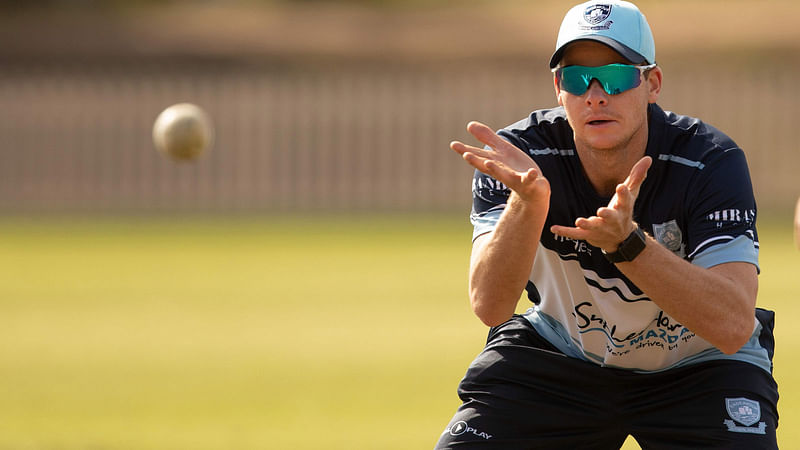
pixel 746 412
pixel 461 427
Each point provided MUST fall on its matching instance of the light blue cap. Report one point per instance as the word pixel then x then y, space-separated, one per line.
pixel 618 24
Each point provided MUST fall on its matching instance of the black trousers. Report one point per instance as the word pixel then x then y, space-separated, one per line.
pixel 521 393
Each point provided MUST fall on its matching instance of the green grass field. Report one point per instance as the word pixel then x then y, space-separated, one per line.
pixel 270 333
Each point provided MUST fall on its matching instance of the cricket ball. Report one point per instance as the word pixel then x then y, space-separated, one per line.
pixel 183 132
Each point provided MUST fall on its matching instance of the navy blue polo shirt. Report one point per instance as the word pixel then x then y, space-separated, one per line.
pixel 697 201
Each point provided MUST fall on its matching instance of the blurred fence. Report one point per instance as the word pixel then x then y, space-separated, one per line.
pixel 318 138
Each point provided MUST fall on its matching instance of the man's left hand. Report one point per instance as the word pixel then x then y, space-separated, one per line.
pixel 613 223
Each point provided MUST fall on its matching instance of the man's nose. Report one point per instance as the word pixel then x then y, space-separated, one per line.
pixel 596 95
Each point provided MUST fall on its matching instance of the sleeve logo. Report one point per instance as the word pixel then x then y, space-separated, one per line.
pixel 669 235
pixel 732 215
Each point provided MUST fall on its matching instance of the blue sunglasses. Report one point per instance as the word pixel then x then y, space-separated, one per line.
pixel 614 78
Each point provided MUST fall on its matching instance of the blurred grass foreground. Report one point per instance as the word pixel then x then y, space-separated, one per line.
pixel 303 285
pixel 262 334
pixel 270 333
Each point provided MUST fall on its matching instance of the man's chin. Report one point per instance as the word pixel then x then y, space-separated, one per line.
pixel 603 144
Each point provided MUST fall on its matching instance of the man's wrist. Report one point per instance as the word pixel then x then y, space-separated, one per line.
pixel 538 206
pixel 628 249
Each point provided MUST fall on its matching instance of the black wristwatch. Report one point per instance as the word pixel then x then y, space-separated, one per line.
pixel 629 248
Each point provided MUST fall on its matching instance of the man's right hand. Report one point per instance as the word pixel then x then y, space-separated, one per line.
pixel 501 260
pixel 504 162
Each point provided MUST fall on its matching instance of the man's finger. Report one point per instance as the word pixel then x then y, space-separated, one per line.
pixel 638 175
pixel 569 232
pixel 462 148
pixel 590 223
pixel 476 161
pixel 502 173
pixel 494 169
pixel 531 175
pixel 607 213
pixel 486 135
pixel 624 198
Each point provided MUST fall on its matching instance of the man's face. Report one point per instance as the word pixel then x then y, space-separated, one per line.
pixel 602 121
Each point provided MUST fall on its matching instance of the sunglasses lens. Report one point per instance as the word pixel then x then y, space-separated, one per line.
pixel 614 78
pixel 573 80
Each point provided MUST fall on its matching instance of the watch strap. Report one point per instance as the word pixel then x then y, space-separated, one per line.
pixel 629 248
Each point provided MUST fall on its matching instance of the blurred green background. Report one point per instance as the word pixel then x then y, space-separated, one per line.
pixel 302 285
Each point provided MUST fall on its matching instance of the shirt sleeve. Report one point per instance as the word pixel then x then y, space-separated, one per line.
pixel 489 198
pixel 722 214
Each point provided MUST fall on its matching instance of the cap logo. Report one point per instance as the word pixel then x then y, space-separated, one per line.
pixel 595 14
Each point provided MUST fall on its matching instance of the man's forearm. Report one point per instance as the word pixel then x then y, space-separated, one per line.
pixel 717 303
pixel 501 261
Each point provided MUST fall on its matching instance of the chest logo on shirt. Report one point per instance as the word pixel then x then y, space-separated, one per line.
pixel 669 235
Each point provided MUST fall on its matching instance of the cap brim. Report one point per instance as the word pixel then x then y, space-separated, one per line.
pixel 631 55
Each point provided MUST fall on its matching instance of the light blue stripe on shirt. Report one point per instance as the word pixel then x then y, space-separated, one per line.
pixel 486 222
pixel 740 249
pixel 555 333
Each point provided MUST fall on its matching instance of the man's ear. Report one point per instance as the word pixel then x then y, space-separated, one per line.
pixel 558 91
pixel 654 80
